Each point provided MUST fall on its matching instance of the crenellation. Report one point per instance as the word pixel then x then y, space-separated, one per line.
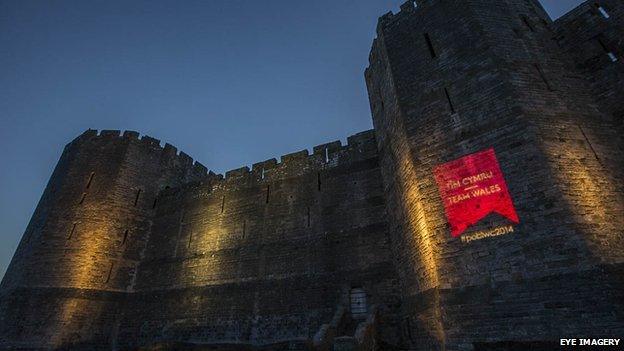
pixel 294 157
pixel 264 165
pixel 363 141
pixel 89 133
pixel 170 151
pixel 153 142
pixel 301 162
pixel 236 174
pixel 110 134
pixel 184 160
pixel 200 169
pixel 130 134
pixel 215 177
pixel 324 150
pixel 86 135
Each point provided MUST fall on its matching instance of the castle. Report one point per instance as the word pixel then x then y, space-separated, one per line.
pixel 371 245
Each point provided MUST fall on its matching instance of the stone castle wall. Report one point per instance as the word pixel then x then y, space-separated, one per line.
pixel 266 255
pixel 450 78
pixel 591 35
pixel 134 244
pixel 80 252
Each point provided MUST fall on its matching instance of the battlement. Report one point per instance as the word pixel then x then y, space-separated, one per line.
pixel 168 152
pixel 359 146
pixel 407 8
pixel 429 16
pixel 411 7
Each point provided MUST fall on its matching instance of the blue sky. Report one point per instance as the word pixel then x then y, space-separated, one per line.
pixel 230 82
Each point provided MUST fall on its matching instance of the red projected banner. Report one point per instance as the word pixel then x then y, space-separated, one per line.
pixel 472 187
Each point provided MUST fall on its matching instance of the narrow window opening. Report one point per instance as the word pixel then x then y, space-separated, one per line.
pixel 136 199
pixel 527 23
pixel 125 238
pixel 609 53
pixel 448 99
pixel 308 216
pixel 543 76
pixel 82 198
pixel 180 230
pixel 222 203
pixel 602 11
pixel 430 45
pixel 71 232
pixel 326 155
pixel 90 180
pixel 262 175
pixel 591 147
pixel 110 272
pixel 318 181
pixel 268 193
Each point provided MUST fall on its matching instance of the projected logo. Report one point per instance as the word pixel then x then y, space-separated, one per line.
pixel 472 187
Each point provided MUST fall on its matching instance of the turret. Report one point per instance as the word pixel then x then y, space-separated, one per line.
pixel 79 254
pixel 591 34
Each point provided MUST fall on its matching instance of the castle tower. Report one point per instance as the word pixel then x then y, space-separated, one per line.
pixel 591 34
pixel 78 257
pixel 453 80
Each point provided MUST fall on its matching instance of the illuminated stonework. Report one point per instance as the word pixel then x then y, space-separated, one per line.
pixel 482 212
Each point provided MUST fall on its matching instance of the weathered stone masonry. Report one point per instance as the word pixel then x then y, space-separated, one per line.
pixel 449 78
pixel 133 244
pixel 155 249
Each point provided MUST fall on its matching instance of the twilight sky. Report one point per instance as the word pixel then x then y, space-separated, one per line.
pixel 229 82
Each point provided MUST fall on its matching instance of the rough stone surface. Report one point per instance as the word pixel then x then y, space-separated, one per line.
pixel 134 246
pixel 512 88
